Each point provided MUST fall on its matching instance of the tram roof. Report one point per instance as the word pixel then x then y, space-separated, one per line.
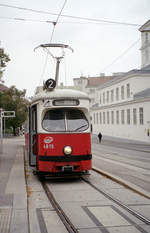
pixel 59 93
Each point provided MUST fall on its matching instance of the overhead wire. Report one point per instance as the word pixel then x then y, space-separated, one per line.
pixel 24 19
pixel 120 56
pixel 60 22
pixel 52 34
pixel 90 20
pixel 71 16
pixel 55 23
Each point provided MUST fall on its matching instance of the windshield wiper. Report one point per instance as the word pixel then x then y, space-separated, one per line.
pixel 81 127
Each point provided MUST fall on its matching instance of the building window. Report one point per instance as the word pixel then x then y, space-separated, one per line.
pixel 146 56
pixel 107 117
pixel 146 37
pixel 128 90
pixel 91 91
pixel 104 98
pixel 97 117
pixel 107 96
pixel 117 93
pixel 141 116
pixel 100 118
pixel 134 116
pixel 122 116
pixel 94 118
pixel 103 117
pixel 122 92
pixel 128 116
pixel 112 117
pixel 100 100
pixel 117 117
pixel 112 95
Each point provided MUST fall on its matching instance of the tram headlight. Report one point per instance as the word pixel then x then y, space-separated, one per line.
pixel 67 150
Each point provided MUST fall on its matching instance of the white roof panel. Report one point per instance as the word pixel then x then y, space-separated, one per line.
pixel 59 93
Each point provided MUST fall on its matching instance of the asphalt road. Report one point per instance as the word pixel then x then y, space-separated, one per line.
pixel 126 160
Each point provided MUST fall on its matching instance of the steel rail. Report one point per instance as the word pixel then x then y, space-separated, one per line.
pixel 66 221
pixel 110 197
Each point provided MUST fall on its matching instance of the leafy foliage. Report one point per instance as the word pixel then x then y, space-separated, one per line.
pixel 14 100
pixel 4 58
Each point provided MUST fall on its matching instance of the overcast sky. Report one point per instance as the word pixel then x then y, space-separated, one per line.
pixel 96 45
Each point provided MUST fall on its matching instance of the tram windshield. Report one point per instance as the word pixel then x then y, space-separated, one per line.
pixel 60 120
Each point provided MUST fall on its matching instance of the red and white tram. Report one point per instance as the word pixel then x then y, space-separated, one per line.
pixel 59 132
pixel 58 139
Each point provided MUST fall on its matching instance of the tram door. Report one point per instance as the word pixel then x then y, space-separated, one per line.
pixel 32 135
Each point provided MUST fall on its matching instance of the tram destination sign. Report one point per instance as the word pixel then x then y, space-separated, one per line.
pixel 66 102
pixel 8 114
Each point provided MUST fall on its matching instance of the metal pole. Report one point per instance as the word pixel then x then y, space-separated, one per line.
pixel 57 70
pixel 4 127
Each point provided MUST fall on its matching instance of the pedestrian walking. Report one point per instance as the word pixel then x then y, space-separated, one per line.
pixel 100 137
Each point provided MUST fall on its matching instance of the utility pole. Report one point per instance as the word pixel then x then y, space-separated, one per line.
pixel 1 131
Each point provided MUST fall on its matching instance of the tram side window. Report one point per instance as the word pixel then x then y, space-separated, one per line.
pixel 76 120
pixel 33 121
pixel 54 120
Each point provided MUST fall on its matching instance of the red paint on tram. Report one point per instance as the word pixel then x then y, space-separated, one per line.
pixel 50 147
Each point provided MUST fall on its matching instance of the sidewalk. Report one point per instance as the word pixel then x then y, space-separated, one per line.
pixel 13 196
pixel 24 207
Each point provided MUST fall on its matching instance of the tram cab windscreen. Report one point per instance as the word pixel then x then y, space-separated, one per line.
pixel 62 120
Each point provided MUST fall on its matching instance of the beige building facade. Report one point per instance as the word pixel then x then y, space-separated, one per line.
pixel 122 105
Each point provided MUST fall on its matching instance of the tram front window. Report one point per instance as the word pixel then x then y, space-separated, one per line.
pixel 65 120
pixel 76 120
pixel 54 120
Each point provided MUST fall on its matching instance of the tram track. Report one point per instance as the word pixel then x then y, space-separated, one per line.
pixel 119 203
pixel 66 221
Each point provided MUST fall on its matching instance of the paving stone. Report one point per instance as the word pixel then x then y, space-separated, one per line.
pixel 34 223
pixel 142 209
pixel 5 217
pixel 6 200
pixel 91 230
pixel 53 222
pixel 19 222
pixel 68 184
pixel 76 196
pixel 129 229
pixel 107 216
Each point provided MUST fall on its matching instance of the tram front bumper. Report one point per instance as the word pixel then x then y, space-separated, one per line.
pixel 72 163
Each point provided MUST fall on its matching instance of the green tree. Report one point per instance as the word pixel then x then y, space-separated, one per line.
pixel 14 100
pixel 4 58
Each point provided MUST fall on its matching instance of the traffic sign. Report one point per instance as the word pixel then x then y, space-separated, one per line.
pixel 50 84
pixel 8 114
